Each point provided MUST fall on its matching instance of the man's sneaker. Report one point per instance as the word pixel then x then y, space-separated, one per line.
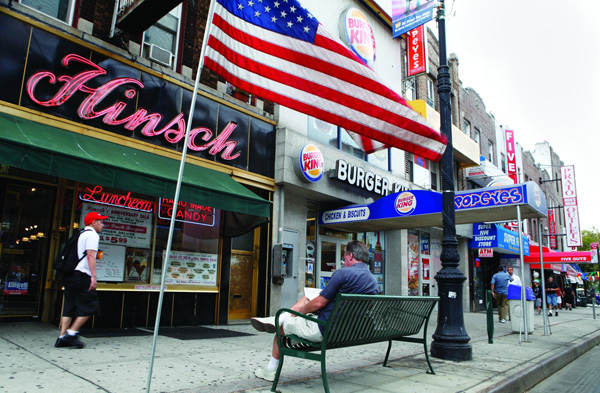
pixel 503 321
pixel 556 313
pixel 550 313
pixel 264 324
pixel 266 374
pixel 61 342
pixel 74 341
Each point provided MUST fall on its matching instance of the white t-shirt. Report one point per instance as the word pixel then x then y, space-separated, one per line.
pixel 516 280
pixel 88 240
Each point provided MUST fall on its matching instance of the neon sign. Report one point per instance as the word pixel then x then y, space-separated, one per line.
pixel 190 213
pixel 173 132
pixel 96 195
pixel 489 198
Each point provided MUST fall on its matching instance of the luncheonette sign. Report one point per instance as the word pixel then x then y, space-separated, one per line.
pixel 570 203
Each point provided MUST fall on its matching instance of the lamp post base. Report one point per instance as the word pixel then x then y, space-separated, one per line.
pixel 451 351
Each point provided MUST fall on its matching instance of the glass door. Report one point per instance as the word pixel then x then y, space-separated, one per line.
pixel 330 258
pixel 26 215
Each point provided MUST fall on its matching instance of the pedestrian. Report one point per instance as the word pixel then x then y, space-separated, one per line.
pixel 515 279
pixel 559 298
pixel 537 291
pixel 499 283
pixel 552 296
pixel 569 297
pixel 80 298
pixel 354 278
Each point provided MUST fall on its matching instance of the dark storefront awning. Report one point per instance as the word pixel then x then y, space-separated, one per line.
pixel 49 150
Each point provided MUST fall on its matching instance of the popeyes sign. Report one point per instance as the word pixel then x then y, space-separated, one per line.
pixel 94 106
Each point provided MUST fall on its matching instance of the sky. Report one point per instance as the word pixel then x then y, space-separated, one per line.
pixel 536 66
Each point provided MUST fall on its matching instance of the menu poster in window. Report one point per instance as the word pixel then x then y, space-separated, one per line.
pixel 191 268
pixel 131 228
pixel 136 265
pixel 112 265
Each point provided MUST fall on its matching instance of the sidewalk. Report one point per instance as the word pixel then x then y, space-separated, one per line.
pixel 120 364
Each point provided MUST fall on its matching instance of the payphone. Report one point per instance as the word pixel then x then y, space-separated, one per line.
pixel 282 262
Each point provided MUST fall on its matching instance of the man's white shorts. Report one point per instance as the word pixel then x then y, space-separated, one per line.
pixel 303 328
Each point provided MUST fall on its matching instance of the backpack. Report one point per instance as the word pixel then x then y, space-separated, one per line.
pixel 66 261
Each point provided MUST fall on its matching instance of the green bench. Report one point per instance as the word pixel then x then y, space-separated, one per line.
pixel 358 320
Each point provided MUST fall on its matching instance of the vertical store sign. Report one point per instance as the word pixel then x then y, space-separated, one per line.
pixel 570 204
pixel 594 251
pixel 415 51
pixel 511 159
pixel 552 224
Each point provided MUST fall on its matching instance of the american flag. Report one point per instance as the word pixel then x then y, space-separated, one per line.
pixel 277 50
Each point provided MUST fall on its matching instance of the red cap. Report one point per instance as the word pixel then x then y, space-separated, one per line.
pixel 92 216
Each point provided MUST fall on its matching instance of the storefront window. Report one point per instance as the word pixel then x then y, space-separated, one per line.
pixel 380 159
pixel 349 146
pixel 413 263
pixel 375 242
pixel 425 264
pixel 23 246
pixel 311 244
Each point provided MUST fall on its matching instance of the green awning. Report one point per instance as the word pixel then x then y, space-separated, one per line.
pixel 49 150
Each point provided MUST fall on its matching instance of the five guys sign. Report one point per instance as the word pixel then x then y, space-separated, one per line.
pixel 511 159
pixel 415 51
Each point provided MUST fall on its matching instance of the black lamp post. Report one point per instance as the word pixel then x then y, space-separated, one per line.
pixel 450 340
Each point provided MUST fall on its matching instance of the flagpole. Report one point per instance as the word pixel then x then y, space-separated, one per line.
pixel 177 190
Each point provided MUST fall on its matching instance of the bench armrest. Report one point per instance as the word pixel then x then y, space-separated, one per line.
pixel 297 314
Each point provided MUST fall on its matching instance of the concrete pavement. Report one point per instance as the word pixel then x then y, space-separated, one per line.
pixel 30 362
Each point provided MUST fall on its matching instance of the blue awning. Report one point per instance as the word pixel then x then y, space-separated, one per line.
pixel 422 209
pixel 498 238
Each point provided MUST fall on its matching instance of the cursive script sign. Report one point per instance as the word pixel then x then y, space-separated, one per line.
pixel 173 131
pixel 97 195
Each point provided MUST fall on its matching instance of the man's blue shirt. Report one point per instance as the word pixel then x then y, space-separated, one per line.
pixel 354 279
pixel 500 281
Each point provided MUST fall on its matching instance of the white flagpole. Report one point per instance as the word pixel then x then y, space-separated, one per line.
pixel 178 189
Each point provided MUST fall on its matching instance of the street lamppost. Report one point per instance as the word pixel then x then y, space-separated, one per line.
pixel 450 340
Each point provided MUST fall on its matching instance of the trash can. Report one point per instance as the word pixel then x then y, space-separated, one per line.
pixel 516 313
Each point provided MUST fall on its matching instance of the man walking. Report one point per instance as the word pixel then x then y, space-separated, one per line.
pixel 552 291
pixel 354 278
pixel 499 283
pixel 81 299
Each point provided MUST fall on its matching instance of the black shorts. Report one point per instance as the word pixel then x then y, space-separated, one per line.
pixel 79 300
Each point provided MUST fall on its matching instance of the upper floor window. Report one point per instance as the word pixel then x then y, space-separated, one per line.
pixel 380 159
pixel 475 135
pixel 161 40
pixel 58 9
pixel 430 93
pixel 491 152
pixel 503 162
pixel 467 127
pixel 349 146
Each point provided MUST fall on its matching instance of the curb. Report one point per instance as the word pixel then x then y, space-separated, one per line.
pixel 532 375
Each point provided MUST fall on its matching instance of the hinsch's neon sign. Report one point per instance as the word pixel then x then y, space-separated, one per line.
pixel 173 132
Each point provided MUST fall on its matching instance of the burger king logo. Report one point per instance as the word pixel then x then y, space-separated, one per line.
pixel 406 203
pixel 359 35
pixel 311 163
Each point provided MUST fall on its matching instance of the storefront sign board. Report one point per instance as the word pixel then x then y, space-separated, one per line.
pixel 191 268
pixel 124 227
pixel 112 265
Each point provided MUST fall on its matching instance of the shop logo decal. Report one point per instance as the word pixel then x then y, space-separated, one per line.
pixel 406 203
pixel 311 163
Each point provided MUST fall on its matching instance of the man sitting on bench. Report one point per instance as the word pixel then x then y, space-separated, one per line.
pixel 355 278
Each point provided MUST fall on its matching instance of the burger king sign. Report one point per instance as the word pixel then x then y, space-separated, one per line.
pixel 311 163
pixel 357 33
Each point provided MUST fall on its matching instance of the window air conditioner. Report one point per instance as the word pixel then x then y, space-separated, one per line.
pixel 160 55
